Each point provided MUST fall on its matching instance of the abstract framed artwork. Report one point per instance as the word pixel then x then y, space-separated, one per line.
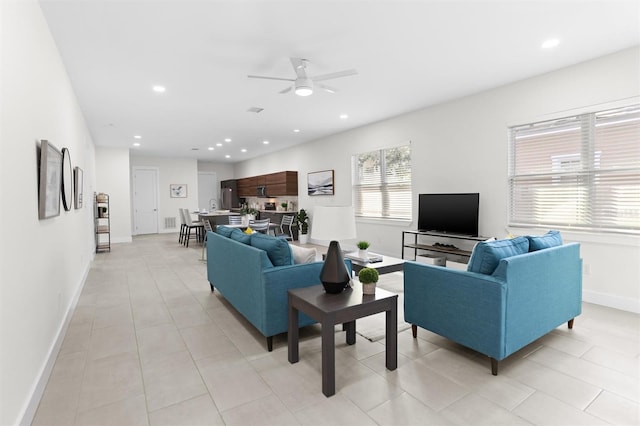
pixel 78 186
pixel 178 190
pixel 67 180
pixel 320 183
pixel 50 180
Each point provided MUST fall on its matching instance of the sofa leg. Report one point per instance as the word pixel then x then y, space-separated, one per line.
pixel 494 366
pixel 570 323
pixel 211 284
pixel 414 330
pixel 270 343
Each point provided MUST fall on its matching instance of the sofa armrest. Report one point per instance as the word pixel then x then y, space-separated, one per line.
pixel 466 307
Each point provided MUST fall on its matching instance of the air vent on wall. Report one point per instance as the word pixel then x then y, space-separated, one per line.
pixel 257 110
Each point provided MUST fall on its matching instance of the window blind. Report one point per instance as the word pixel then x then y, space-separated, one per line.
pixel 580 172
pixel 382 183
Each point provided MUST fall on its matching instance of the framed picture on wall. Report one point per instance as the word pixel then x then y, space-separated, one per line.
pixel 50 180
pixel 320 183
pixel 78 186
pixel 178 190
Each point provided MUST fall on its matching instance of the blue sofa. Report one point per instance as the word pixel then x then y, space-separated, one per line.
pixel 242 268
pixel 508 302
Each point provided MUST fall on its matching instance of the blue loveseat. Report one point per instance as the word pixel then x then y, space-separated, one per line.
pixel 254 273
pixel 510 296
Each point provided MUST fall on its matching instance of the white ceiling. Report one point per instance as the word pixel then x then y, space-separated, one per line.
pixel 408 55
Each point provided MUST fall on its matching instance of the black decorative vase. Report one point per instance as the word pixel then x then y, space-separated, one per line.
pixel 334 274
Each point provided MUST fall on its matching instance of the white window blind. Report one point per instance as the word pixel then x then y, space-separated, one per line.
pixel 382 183
pixel 580 172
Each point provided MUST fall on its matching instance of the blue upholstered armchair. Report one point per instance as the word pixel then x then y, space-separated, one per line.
pixel 508 302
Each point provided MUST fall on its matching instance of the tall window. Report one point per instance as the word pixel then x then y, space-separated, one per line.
pixel 382 183
pixel 580 172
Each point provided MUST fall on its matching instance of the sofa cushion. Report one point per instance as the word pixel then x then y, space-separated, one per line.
pixel 225 231
pixel 240 236
pixel 487 254
pixel 550 239
pixel 302 254
pixel 277 249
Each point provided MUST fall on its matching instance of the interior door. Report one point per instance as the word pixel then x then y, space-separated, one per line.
pixel 145 201
pixel 208 190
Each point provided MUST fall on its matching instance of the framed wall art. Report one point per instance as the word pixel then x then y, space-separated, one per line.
pixel 50 180
pixel 178 190
pixel 78 186
pixel 67 180
pixel 320 183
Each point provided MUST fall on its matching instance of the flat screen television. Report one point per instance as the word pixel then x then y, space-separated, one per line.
pixel 449 213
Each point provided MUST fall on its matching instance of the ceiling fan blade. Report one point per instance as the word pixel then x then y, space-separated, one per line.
pixel 327 88
pixel 271 78
pixel 287 90
pixel 345 73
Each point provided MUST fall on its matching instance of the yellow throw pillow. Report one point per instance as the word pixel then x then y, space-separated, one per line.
pixel 248 230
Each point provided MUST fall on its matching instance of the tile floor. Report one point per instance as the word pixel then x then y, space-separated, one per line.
pixel 150 344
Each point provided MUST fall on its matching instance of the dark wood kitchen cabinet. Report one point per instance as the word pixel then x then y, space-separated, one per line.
pixel 282 183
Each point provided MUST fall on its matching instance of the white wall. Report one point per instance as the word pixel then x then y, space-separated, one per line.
pixel 462 146
pixel 222 170
pixel 43 263
pixel 112 178
pixel 172 171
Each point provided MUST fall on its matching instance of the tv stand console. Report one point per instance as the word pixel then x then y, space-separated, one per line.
pixel 453 247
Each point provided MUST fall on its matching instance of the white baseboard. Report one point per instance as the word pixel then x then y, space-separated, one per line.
pixel 41 383
pixel 612 301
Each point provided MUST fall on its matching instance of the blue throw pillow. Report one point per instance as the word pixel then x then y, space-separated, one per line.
pixel 225 231
pixel 487 254
pixel 277 249
pixel 240 236
pixel 550 239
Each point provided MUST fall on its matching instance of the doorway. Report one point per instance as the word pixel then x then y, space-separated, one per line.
pixel 208 191
pixel 145 200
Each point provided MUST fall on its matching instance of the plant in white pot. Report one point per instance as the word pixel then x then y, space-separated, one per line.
pixel 303 226
pixel 363 246
pixel 368 278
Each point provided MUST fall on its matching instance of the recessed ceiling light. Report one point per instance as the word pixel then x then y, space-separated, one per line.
pixel 211 148
pixel 343 116
pixel 296 130
pixel 227 140
pixel 218 144
pixel 227 156
pixel 136 144
pixel 551 43
pixel 159 89
pixel 265 142
pixel 243 150
pixel 137 137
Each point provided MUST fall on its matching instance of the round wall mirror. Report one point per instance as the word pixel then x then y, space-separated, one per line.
pixel 67 180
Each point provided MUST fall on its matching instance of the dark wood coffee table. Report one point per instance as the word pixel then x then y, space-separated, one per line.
pixel 346 307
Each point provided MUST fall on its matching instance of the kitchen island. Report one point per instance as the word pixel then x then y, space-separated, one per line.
pixel 217 217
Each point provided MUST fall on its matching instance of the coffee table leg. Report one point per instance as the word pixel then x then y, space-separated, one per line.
pixel 350 328
pixel 292 334
pixel 391 337
pixel 328 359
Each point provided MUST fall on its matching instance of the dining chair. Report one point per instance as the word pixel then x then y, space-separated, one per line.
pixel 235 220
pixel 207 227
pixel 260 225
pixel 287 221
pixel 197 226
pixel 183 226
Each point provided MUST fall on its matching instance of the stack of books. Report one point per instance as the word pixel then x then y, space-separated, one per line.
pixel 368 258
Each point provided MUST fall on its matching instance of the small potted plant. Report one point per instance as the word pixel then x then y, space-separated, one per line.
pixel 248 213
pixel 303 225
pixel 284 206
pixel 368 278
pixel 362 248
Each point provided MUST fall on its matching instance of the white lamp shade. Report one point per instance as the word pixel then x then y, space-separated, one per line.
pixel 333 223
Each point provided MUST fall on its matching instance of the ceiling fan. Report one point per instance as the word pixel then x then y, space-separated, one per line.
pixel 303 84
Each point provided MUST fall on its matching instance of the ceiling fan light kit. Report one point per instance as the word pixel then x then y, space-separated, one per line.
pixel 303 84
